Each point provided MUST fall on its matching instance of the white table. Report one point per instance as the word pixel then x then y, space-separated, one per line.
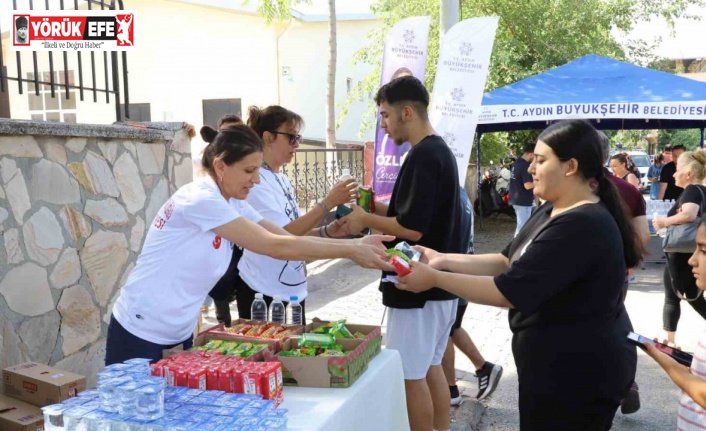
pixel 375 402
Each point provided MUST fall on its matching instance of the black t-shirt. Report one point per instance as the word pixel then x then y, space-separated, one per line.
pixel 569 321
pixel 691 195
pixel 465 230
pixel 519 195
pixel 667 176
pixel 426 199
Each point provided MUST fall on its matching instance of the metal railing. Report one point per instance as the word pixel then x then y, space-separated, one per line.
pixel 113 66
pixel 314 172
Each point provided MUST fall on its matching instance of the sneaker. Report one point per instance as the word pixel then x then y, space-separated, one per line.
pixel 488 378
pixel 456 398
pixel 631 402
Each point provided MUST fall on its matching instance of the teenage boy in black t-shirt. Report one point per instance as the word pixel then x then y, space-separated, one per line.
pixel 423 210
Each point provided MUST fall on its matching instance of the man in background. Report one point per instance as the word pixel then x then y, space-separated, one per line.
pixel 487 373
pixel 521 187
pixel 668 190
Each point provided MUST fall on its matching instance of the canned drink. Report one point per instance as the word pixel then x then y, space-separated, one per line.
pixel 366 199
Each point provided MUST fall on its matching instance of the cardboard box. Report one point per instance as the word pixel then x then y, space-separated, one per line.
pixel 268 354
pixel 41 385
pixel 373 335
pixel 325 371
pixel 16 415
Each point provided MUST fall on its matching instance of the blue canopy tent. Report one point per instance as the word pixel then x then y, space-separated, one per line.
pixel 609 93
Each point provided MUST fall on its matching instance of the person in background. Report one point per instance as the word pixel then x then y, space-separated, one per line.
pixel 668 189
pixel 691 380
pixel 487 373
pixel 637 210
pixel 653 175
pixel 187 249
pixel 562 279
pixel 521 185
pixel 622 167
pixel 424 209
pixel 224 292
pixel 679 281
pixel 274 199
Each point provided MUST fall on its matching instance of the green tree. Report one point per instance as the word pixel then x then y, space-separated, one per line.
pixel 690 138
pixel 533 36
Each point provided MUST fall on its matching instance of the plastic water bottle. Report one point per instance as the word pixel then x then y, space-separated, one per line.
pixel 258 309
pixel 294 311
pixel 344 209
pixel 345 175
pixel 277 311
pixel 663 231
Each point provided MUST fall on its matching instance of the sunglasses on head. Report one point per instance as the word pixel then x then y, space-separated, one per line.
pixel 293 139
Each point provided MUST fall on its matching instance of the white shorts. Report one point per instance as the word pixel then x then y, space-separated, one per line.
pixel 420 335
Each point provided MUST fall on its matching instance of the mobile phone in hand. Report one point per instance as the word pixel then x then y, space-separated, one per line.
pixel 676 354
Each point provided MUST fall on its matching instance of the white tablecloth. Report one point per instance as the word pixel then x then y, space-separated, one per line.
pixel 376 402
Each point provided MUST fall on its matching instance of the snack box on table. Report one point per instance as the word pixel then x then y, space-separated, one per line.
pixel 372 340
pixel 292 330
pixel 268 354
pixel 16 415
pixel 325 371
pixel 41 385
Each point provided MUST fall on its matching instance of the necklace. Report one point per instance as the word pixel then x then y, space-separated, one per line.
pixel 287 194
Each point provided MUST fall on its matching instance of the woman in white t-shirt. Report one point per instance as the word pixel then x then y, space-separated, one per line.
pixel 274 198
pixel 188 248
pixel 692 380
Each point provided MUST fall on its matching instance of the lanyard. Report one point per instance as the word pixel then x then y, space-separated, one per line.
pixel 287 193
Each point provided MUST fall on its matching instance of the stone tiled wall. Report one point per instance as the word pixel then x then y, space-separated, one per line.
pixel 75 201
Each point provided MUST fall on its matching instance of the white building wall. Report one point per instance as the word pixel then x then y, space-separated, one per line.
pixel 304 54
pixel 188 53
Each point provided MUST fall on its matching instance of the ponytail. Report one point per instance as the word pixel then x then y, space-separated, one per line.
pixel 232 144
pixel 633 249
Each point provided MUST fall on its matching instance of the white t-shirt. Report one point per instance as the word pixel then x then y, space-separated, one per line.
pixel 274 199
pixel 181 261
pixel 690 415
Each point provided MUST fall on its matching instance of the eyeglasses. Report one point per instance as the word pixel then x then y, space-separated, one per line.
pixel 293 139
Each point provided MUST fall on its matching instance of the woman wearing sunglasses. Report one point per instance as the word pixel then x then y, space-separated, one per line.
pixel 274 199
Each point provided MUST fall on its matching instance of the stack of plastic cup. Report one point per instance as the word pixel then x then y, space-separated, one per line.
pixel 107 389
pixel 97 420
pixel 139 365
pixel 150 401
pixel 54 417
pixel 127 399
pixel 73 418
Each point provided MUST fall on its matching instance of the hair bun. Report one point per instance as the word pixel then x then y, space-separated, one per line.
pixel 700 156
pixel 208 134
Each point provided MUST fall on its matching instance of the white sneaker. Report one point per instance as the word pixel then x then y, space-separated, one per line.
pixel 456 399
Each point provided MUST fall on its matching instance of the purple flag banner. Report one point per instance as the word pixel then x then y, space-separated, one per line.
pixel 405 54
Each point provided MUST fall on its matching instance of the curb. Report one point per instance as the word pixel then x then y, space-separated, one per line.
pixel 467 416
